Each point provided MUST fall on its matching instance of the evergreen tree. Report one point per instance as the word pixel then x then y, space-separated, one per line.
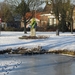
pixel 22 9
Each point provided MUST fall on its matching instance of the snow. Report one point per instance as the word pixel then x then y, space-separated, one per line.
pixel 53 42
pixel 8 63
pixel 35 65
pixel 46 64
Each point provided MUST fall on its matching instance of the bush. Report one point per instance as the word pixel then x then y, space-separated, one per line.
pixel 12 29
pixel 47 28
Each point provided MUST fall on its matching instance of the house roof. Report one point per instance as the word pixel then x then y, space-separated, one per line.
pixel 47 8
pixel 36 14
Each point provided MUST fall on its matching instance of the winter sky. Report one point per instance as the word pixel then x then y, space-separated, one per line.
pixel 71 1
pixel 1 0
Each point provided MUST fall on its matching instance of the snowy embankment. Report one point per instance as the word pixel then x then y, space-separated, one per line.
pixel 63 41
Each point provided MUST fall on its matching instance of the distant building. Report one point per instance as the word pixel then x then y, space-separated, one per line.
pixel 47 16
pixel 29 16
pixel 16 22
pixel 49 19
pixel 3 25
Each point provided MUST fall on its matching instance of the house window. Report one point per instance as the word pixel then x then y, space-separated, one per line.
pixel 51 21
pixel 74 24
pixel 54 21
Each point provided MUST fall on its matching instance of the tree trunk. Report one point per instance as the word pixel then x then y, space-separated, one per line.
pixel 71 27
pixel 57 30
pixel 25 32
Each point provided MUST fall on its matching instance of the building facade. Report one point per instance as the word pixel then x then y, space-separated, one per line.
pixel 49 19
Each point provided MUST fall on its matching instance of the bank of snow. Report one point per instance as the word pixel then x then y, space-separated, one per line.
pixel 53 42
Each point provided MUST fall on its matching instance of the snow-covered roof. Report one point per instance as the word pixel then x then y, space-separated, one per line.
pixel 49 15
pixel 45 14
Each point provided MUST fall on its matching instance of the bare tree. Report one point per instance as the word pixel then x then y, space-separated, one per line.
pixel 23 6
pixel 6 12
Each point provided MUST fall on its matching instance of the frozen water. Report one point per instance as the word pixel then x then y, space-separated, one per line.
pixel 46 64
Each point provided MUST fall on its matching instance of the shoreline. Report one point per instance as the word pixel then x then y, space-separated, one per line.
pixel 35 51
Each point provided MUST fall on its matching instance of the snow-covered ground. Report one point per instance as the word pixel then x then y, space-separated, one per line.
pixel 63 41
pixel 37 64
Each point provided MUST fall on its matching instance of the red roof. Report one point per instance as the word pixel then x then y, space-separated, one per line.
pixel 36 14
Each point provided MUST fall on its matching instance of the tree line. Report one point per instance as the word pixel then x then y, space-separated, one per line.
pixel 63 10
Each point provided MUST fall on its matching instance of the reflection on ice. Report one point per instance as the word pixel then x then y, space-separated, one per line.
pixel 36 65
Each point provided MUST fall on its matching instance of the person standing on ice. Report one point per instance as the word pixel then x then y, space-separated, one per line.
pixel 33 25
